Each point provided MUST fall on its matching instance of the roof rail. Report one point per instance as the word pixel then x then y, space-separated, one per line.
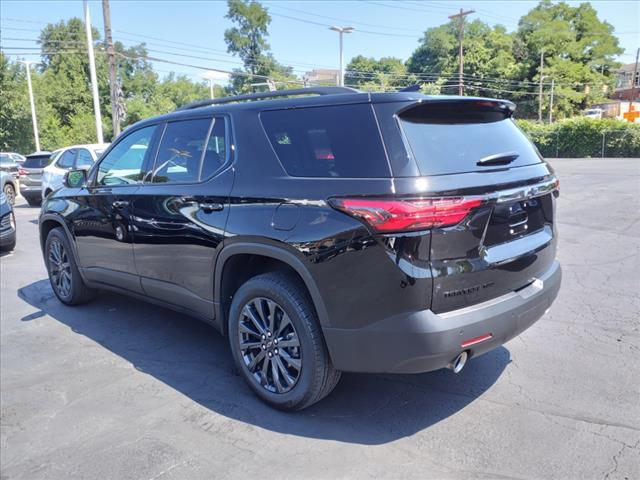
pixel 266 95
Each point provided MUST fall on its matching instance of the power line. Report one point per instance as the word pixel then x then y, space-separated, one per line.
pixel 354 22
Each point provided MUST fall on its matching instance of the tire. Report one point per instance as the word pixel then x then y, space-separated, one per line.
pixel 315 378
pixel 64 276
pixel 9 247
pixel 33 201
pixel 10 192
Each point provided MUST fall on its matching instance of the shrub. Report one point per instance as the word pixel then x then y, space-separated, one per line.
pixel 584 137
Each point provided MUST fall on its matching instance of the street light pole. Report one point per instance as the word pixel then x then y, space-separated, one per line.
pixel 540 89
pixel 341 31
pixel 553 82
pixel 92 71
pixel 27 65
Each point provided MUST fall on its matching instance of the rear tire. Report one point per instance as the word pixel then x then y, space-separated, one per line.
pixel 64 275
pixel 275 308
pixel 10 193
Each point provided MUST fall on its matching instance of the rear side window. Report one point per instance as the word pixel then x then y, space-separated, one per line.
pixel 216 153
pixel 334 141
pixel 181 151
pixel 84 158
pixel 66 159
pixel 454 141
pixel 37 161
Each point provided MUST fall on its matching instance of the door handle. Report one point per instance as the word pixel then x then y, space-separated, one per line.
pixel 119 204
pixel 208 207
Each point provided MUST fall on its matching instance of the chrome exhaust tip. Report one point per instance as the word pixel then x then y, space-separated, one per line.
pixel 458 363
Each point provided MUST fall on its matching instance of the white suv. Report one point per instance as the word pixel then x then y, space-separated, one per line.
pixel 68 158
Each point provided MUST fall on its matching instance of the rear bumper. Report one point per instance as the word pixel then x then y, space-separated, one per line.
pixel 31 191
pixel 424 341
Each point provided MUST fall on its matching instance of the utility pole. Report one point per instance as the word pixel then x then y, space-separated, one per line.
pixel 553 82
pixel 540 91
pixel 92 71
pixel 113 79
pixel 36 135
pixel 461 15
pixel 341 31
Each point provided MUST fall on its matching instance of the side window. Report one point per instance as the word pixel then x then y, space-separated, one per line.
pixel 181 150
pixel 84 158
pixel 215 156
pixel 123 164
pixel 335 141
pixel 67 158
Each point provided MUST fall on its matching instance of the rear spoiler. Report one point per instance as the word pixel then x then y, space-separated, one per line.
pixel 457 110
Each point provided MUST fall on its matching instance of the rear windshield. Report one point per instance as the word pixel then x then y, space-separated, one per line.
pixel 37 161
pixel 456 145
pixel 335 141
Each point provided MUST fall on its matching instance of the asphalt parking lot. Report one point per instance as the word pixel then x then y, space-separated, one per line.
pixel 119 389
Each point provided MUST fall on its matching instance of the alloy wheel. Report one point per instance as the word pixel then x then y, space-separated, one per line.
pixel 269 345
pixel 59 268
pixel 10 193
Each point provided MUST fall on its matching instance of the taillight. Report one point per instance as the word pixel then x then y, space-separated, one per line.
pixel 410 214
pixel 22 172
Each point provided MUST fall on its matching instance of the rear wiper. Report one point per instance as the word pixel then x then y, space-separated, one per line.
pixel 498 159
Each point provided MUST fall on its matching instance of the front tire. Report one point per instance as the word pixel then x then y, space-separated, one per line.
pixel 277 343
pixel 63 272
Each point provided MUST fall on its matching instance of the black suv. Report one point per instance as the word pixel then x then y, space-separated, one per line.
pixel 322 230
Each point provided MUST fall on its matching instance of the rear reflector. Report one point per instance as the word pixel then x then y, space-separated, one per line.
pixel 410 214
pixel 476 340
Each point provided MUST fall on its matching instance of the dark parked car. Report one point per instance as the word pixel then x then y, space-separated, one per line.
pixel 9 164
pixel 7 224
pixel 31 177
pixel 346 231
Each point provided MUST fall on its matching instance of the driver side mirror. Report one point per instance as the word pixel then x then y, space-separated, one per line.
pixel 75 178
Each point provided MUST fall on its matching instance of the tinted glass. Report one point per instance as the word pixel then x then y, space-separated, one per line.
pixel 123 164
pixel 457 147
pixel 180 153
pixel 336 141
pixel 36 161
pixel 215 156
pixel 84 158
pixel 66 159
pixel 4 158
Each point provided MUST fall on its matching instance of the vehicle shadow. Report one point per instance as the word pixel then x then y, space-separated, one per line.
pixel 192 358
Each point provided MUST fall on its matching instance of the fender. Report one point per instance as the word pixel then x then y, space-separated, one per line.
pixel 60 221
pixel 273 252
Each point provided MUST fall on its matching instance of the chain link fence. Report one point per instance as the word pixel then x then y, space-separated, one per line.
pixel 608 143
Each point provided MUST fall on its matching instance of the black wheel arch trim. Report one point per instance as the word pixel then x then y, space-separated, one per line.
pixel 60 221
pixel 278 253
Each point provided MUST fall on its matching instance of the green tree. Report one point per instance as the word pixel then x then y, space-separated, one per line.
pixel 388 73
pixel 488 52
pixel 579 53
pixel 16 131
pixel 248 39
pixel 173 92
